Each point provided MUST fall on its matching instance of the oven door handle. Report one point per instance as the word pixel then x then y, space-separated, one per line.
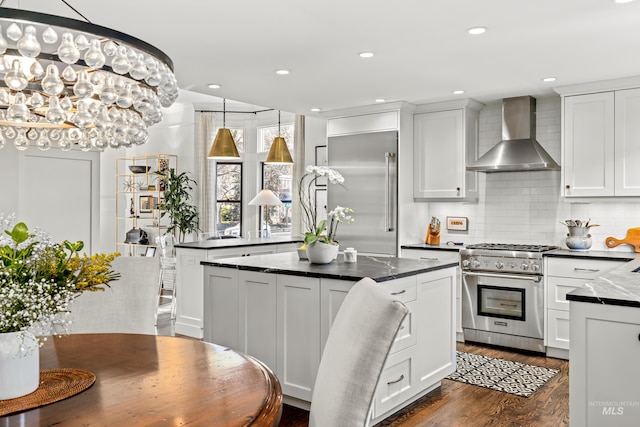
pixel 536 279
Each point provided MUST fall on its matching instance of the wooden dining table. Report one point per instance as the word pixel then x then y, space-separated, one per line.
pixel 148 380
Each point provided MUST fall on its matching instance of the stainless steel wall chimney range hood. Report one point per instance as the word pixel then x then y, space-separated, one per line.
pixel 518 150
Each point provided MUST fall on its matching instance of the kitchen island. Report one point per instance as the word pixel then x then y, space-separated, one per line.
pixel 280 309
pixel 604 379
pixel 189 285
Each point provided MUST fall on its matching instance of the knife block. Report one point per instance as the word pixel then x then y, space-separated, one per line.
pixel 433 237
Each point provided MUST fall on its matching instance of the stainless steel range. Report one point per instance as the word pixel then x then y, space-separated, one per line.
pixel 503 295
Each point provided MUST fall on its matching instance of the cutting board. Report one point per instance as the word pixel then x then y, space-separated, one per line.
pixel 632 238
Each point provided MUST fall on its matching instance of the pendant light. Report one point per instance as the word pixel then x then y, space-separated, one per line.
pixel 224 147
pixel 279 152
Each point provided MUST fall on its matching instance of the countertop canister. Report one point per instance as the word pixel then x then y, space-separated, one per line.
pixel 350 255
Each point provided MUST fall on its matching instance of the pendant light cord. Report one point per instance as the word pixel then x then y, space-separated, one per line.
pixel 76 11
pixel 224 112
pixel 278 123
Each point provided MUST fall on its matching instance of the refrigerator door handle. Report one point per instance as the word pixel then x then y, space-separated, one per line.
pixel 388 191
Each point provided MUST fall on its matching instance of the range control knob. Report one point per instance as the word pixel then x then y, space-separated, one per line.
pixel 499 265
pixel 475 263
pixel 465 263
pixel 535 267
pixel 524 266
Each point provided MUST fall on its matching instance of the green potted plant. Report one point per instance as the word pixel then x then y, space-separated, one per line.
pixel 183 216
pixel 38 281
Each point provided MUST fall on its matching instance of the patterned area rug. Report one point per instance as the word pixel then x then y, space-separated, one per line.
pixel 499 374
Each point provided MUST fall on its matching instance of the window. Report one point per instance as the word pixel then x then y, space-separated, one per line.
pixel 278 178
pixel 267 134
pixel 238 137
pixel 229 198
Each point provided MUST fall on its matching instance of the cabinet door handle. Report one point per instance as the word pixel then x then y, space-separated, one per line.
pixel 399 292
pixel 638 337
pixel 430 259
pixel 396 381
pixel 457 188
pixel 590 270
pixel 568 187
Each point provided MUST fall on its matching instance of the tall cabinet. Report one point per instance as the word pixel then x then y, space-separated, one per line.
pixel 601 139
pixel 139 191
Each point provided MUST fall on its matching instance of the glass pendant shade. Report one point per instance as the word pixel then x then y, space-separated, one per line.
pixel 223 146
pixel 104 85
pixel 279 152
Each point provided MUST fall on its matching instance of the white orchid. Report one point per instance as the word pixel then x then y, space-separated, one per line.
pixel 306 195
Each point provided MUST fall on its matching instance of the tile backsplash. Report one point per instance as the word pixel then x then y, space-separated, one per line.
pixel 527 207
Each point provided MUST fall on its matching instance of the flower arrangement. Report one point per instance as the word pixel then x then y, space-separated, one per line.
pixel 318 231
pixel 39 278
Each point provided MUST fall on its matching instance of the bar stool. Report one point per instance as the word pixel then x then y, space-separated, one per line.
pixel 167 282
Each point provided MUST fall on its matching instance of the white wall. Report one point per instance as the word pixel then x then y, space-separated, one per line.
pixel 526 207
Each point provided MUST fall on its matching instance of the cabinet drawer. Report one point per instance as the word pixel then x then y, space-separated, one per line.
pixel 431 255
pixel 404 289
pixel 557 289
pixel 395 384
pixel 580 268
pixel 558 329
pixel 407 335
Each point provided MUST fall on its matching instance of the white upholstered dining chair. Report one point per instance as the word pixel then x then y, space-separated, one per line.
pixel 354 355
pixel 129 305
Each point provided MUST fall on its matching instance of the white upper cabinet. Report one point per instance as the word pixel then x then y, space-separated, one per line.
pixel 627 146
pixel 601 140
pixel 589 145
pixel 445 138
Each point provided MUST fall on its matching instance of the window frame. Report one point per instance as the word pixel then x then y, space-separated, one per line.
pixel 217 200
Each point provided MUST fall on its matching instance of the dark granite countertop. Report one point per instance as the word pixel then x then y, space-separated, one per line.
pixel 440 247
pixel 620 286
pixel 567 253
pixel 232 243
pixel 379 269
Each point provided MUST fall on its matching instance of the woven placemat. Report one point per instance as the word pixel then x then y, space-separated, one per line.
pixel 55 385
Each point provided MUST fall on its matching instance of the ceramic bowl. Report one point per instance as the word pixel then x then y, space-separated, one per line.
pixel 139 168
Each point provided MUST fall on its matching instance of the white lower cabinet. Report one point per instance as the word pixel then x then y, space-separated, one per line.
pixel 436 305
pixel 297 334
pixel 285 320
pixel 443 255
pixel 396 383
pixel 562 276
pixel 257 323
pixel 189 280
pixel 604 382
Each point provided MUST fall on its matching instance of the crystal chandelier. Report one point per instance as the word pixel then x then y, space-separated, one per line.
pixel 66 83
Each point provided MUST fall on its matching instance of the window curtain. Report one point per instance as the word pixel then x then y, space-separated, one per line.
pixel 204 136
pixel 298 171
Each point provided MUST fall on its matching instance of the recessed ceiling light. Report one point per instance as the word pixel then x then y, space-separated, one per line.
pixel 214 86
pixel 315 110
pixel 477 30
pixel 549 79
pixel 458 92
pixel 282 72
pixel 623 1
pixel 366 54
pixel 380 100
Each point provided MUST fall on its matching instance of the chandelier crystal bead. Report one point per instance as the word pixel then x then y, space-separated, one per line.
pixel 78 84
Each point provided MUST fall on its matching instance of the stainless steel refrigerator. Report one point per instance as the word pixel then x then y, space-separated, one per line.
pixel 368 163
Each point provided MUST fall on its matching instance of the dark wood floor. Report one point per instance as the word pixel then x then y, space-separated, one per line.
pixel 462 405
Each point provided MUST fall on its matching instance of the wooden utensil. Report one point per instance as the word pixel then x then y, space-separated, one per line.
pixel 632 238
